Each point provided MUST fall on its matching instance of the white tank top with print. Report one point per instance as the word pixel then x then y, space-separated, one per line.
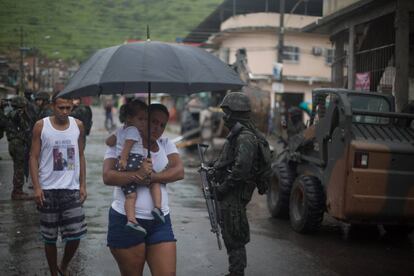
pixel 59 156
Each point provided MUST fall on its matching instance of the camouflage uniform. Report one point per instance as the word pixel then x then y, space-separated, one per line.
pixel 31 107
pixel 19 137
pixel 235 169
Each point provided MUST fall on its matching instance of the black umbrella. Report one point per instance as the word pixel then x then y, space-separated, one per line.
pixel 170 68
pixel 153 67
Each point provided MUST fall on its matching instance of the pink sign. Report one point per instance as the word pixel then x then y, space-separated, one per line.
pixel 362 81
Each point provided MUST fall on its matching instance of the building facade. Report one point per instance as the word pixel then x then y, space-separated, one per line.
pixel 307 57
pixel 374 45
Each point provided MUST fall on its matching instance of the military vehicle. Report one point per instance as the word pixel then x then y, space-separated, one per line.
pixel 353 161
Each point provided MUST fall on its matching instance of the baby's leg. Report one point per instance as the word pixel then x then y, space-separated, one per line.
pixel 156 198
pixel 156 194
pixel 129 206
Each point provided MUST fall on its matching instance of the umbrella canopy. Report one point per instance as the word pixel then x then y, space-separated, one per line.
pixel 168 68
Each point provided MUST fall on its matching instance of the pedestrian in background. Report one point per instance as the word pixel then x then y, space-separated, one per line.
pixel 109 122
pixel 3 119
pixel 84 114
pixel 235 171
pixel 59 191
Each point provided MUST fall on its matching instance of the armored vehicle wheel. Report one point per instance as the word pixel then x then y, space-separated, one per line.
pixel 307 204
pixel 398 229
pixel 279 191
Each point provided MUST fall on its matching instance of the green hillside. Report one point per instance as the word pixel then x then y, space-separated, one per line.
pixel 75 28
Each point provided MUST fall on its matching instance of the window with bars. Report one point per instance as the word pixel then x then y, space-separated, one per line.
pixel 329 56
pixel 291 54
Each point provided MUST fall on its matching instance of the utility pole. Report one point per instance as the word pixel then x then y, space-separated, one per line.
pixel 34 51
pixel 281 31
pixel 22 51
pixel 276 113
pixel 21 85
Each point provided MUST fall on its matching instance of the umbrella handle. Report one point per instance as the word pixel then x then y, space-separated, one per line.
pixel 149 120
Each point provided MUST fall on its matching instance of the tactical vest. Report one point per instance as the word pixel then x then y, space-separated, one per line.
pixel 245 190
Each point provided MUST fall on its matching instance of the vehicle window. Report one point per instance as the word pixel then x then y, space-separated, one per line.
pixel 370 103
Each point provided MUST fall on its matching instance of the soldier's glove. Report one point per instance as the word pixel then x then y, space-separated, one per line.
pixel 211 175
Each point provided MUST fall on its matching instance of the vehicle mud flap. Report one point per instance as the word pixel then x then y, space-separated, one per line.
pixel 279 191
pixel 307 204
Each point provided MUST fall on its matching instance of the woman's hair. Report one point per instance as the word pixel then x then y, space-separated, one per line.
pixel 122 113
pixel 159 107
pixel 134 106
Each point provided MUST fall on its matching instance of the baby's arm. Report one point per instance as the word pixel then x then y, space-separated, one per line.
pixel 111 140
pixel 125 153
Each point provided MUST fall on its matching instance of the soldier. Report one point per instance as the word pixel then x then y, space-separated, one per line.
pixel 32 108
pixel 18 134
pixel 84 114
pixel 42 101
pixel 235 172
pixel 28 94
pixel 295 122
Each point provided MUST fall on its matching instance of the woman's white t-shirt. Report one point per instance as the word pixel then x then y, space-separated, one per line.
pixel 144 203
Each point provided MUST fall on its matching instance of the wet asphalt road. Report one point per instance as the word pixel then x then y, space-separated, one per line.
pixel 274 248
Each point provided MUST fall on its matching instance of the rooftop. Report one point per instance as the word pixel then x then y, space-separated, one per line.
pixel 211 24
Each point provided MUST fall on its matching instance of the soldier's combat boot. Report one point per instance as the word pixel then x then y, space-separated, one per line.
pixel 21 196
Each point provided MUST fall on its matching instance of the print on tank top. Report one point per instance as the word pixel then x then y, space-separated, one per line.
pixel 63 156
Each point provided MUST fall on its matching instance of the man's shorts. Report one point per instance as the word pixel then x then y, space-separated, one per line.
pixel 133 163
pixel 121 237
pixel 62 210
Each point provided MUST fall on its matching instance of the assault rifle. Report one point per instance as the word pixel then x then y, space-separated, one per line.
pixel 208 185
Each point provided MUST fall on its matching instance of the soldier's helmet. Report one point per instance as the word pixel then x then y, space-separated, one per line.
pixel 295 111
pixel 42 96
pixel 236 101
pixel 18 102
pixel 28 94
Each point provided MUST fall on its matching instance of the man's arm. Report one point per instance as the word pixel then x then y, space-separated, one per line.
pixel 82 174
pixel 173 172
pixel 34 162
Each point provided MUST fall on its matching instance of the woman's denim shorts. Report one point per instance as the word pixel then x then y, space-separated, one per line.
pixel 121 237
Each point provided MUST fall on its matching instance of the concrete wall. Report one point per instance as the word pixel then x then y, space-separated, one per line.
pixel 331 6
pixel 257 33
pixel 262 19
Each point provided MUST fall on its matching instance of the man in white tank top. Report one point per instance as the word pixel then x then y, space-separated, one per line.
pixel 57 168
